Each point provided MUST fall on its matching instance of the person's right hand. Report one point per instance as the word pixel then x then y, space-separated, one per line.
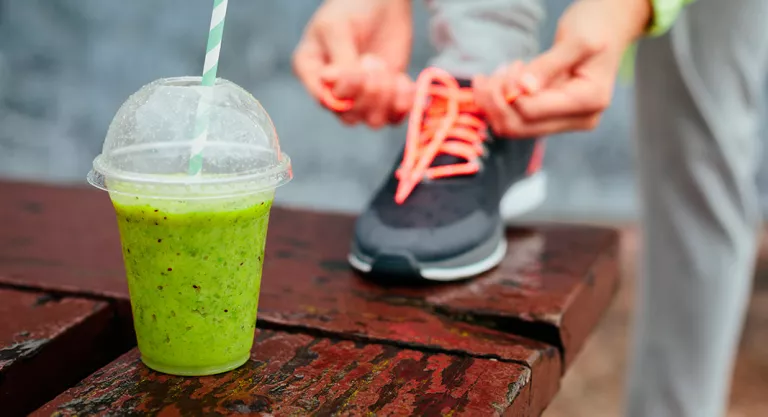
pixel 357 51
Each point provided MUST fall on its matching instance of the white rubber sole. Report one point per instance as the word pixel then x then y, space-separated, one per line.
pixel 358 263
pixel 466 271
pixel 523 197
pixel 446 274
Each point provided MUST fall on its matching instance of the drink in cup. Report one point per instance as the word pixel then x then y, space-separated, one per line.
pixel 193 243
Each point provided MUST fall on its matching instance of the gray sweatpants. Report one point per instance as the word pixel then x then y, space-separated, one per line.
pixel 698 99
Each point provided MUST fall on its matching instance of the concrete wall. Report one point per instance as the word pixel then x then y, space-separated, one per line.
pixel 67 65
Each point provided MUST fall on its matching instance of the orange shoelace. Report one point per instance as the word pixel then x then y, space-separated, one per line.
pixel 444 120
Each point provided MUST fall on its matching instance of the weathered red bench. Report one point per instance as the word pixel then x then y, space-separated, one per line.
pixel 331 342
pixel 49 343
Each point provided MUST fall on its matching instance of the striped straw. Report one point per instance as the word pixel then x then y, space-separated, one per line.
pixel 211 65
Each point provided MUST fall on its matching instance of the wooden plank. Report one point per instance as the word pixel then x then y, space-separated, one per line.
pixel 553 286
pixel 47 344
pixel 305 286
pixel 60 238
pixel 297 375
pixel 420 329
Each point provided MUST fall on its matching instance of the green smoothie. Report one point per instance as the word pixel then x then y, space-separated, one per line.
pixel 194 271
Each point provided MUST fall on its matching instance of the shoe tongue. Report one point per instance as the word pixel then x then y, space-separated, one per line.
pixel 444 159
pixel 464 83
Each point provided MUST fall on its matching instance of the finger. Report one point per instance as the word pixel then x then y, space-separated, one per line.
pixel 335 95
pixel 340 87
pixel 338 42
pixel 403 101
pixel 560 80
pixel 379 91
pixel 554 126
pixel 404 96
pixel 330 74
pixel 490 98
pixel 368 99
pixel 349 85
pixel 308 63
pixel 348 89
pixel 349 119
pixel 358 108
pixel 507 118
pixel 381 102
pixel 561 58
pixel 482 96
pixel 572 98
pixel 511 85
pixel 396 118
pixel 332 102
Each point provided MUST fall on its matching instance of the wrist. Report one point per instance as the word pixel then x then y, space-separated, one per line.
pixel 638 17
pixel 665 12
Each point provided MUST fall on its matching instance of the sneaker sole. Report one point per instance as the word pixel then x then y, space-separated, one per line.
pixel 523 197
pixel 466 265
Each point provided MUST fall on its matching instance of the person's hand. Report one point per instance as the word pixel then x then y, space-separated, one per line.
pixel 352 59
pixel 569 86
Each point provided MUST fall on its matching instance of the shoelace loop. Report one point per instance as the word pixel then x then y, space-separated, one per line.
pixel 444 120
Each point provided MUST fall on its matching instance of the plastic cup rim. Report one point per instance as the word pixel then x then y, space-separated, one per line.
pixel 279 173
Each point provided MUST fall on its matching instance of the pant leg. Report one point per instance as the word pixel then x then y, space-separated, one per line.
pixel 698 106
pixel 476 36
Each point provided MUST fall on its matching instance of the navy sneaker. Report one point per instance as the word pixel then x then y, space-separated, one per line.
pixel 438 216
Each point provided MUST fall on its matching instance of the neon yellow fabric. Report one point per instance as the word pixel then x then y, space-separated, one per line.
pixel 664 14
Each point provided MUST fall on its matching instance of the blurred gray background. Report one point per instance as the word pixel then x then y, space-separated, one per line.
pixel 67 65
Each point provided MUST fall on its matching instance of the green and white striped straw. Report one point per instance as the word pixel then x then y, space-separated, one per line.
pixel 210 67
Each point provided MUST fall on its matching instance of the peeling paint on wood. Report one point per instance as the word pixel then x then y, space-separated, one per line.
pixel 297 375
pixel 538 307
pixel 553 285
pixel 47 347
pixel 20 350
pixel 562 281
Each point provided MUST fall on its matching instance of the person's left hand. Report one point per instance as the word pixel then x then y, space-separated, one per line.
pixel 569 86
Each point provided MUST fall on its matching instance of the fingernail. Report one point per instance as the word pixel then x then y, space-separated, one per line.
pixel 401 87
pixel 329 74
pixel 404 85
pixel 512 94
pixel 371 62
pixel 530 83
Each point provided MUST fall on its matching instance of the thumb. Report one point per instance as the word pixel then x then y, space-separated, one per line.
pixel 561 59
pixel 338 41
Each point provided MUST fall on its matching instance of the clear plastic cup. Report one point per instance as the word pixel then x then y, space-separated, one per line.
pixel 193 245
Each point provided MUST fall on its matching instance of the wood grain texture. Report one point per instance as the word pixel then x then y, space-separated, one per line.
pixel 47 344
pixel 536 309
pixel 553 286
pixel 298 375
